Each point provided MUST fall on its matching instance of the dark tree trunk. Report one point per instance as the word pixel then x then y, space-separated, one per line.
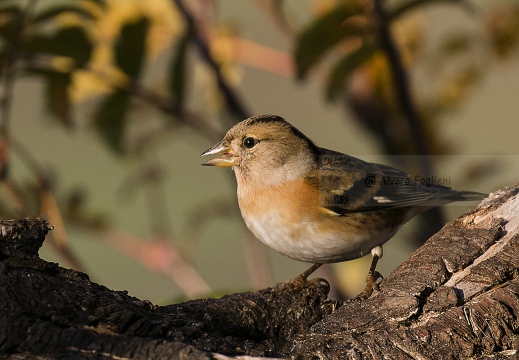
pixel 457 297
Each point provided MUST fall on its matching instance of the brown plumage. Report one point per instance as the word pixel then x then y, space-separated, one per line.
pixel 317 205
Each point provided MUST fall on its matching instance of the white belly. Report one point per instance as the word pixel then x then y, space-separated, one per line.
pixel 303 241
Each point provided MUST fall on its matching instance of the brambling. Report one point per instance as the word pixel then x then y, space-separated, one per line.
pixel 318 205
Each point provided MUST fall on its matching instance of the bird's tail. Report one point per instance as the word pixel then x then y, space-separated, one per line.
pixel 466 196
pixel 446 196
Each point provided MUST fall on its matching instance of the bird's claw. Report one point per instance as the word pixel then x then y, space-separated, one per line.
pixel 371 284
pixel 296 284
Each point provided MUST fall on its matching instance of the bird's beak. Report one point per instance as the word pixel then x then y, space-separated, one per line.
pixel 227 158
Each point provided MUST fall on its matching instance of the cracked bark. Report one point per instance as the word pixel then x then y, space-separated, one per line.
pixel 456 297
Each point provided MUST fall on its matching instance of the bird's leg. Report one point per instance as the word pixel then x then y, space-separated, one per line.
pixel 302 278
pixel 373 275
pixel 299 281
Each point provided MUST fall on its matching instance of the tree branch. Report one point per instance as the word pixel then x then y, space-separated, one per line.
pixel 456 297
pixel 408 107
pixel 401 85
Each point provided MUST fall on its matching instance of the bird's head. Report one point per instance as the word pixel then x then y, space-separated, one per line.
pixel 265 149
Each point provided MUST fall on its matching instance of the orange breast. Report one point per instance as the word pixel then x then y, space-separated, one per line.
pixel 289 219
pixel 296 200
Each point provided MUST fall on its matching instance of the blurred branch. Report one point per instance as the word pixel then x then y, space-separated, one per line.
pixel 48 203
pixel 401 85
pixel 159 255
pixel 263 57
pixel 9 69
pixel 151 177
pixel 161 252
pixel 183 116
pixel 275 10
pixel 255 253
pixel 232 99
pixel 5 102
pixel 49 207
pixel 408 107
pixel 166 105
pixel 8 75
pixel 257 262
pixel 60 239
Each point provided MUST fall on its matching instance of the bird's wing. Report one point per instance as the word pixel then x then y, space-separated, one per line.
pixel 347 184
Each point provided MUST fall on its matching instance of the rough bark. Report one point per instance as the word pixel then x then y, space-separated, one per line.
pixel 457 297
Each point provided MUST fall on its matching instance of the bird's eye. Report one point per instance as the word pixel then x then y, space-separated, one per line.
pixel 250 142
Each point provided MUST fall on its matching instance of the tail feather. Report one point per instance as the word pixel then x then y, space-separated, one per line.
pixel 467 196
pixel 446 195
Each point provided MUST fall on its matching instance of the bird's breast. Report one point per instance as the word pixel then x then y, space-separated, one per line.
pixel 289 219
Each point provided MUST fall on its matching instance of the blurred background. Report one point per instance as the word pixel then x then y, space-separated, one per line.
pixel 106 105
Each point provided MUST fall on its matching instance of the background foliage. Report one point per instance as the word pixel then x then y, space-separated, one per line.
pixel 133 89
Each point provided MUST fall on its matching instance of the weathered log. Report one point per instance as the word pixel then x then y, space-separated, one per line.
pixel 456 297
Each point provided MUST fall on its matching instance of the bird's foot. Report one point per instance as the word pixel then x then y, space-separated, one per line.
pixel 371 284
pixel 299 282
pixel 295 284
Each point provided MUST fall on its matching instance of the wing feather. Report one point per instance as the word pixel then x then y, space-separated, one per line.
pixel 347 184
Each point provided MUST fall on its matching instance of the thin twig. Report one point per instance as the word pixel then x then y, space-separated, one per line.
pixel 233 101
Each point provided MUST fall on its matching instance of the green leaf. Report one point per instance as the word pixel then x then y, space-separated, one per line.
pixel 322 35
pixel 130 48
pixel 111 120
pixel 70 41
pixel 51 13
pixel 344 67
pixel 57 96
pixel 177 76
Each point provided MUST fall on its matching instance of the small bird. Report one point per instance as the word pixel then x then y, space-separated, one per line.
pixel 318 205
